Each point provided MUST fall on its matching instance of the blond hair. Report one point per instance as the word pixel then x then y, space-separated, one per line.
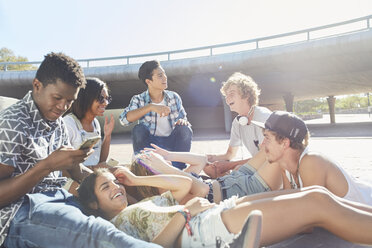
pixel 246 85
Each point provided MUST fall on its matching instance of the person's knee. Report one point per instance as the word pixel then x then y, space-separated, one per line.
pixel 204 190
pixel 315 187
pixel 139 132
pixel 183 132
pixel 318 195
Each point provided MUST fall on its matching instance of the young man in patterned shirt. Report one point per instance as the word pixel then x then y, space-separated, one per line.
pixel 162 118
pixel 34 149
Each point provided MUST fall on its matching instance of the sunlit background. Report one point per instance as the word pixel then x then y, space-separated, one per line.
pixel 92 28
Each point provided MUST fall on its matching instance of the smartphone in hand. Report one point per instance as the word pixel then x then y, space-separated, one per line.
pixel 89 143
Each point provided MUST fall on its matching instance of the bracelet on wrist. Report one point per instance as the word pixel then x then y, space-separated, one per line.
pixel 186 214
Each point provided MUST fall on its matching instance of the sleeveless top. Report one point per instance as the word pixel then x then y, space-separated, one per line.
pixel 290 177
pixel 147 218
pixel 358 191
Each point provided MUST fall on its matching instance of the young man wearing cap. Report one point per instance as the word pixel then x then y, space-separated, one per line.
pixel 242 96
pixel 286 143
pixel 162 118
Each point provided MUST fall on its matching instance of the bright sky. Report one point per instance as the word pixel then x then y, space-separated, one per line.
pixel 105 28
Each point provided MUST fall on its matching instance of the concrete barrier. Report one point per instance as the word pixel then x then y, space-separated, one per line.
pixel 6 102
pixel 199 117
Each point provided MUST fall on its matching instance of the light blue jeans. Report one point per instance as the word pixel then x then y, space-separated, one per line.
pixel 53 219
pixel 244 181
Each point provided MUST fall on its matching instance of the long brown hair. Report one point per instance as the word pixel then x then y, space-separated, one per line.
pixel 87 196
pixel 143 191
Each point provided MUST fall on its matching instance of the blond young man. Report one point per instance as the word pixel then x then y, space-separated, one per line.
pixel 242 96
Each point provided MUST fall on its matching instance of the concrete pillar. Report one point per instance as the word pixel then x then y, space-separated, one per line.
pixel 331 107
pixel 227 115
pixel 288 99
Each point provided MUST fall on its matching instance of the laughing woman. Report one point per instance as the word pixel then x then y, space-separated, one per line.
pixel 82 123
pixel 200 223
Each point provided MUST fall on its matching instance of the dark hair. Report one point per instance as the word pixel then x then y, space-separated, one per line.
pixel 86 96
pixel 143 192
pixel 87 194
pixel 296 145
pixel 146 70
pixel 60 66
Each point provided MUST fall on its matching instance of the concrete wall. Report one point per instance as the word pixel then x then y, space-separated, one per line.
pixel 6 102
pixel 199 117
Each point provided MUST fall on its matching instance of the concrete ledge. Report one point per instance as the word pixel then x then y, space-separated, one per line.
pixel 199 117
pixel 6 102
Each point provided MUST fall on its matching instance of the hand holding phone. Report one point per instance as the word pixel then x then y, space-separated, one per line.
pixel 89 143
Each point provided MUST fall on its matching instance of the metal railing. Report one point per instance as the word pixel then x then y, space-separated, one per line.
pixel 310 34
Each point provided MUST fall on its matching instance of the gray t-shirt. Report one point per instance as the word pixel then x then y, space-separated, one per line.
pixel 249 135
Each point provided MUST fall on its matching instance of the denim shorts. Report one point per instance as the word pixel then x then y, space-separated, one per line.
pixel 245 181
pixel 208 226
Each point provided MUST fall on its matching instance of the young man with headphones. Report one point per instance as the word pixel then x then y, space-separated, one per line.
pixel 242 95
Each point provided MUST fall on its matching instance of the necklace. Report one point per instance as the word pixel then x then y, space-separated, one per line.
pixel 292 181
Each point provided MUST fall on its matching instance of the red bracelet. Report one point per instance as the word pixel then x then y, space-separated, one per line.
pixel 186 214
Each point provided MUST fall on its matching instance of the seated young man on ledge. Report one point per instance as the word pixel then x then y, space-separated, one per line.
pixel 162 118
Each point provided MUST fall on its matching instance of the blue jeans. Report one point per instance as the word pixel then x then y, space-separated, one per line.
pixel 179 140
pixel 53 219
pixel 244 181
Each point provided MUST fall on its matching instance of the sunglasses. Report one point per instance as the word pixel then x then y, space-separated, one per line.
pixel 102 99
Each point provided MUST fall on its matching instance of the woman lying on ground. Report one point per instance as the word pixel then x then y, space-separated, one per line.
pixel 160 219
pixel 255 176
pixel 284 213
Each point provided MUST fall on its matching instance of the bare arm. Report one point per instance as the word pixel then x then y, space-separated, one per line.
pixel 174 228
pixel 312 171
pixel 198 188
pixel 196 161
pixel 168 236
pixel 108 128
pixel 136 114
pixel 220 168
pixel 178 185
pixel 79 172
pixel 230 154
pixel 316 169
pixel 12 188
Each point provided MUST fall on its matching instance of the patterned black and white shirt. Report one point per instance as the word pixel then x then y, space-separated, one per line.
pixel 25 139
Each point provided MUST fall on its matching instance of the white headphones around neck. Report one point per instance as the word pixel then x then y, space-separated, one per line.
pixel 243 120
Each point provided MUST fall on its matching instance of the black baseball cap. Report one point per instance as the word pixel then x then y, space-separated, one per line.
pixel 285 124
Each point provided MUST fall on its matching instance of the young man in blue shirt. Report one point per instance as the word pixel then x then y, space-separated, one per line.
pixel 161 117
